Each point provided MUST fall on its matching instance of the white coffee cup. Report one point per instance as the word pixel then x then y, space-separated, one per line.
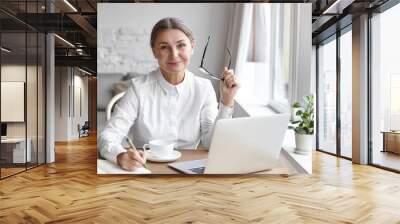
pixel 160 147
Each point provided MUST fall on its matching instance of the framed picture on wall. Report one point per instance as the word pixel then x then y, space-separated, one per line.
pixel 12 101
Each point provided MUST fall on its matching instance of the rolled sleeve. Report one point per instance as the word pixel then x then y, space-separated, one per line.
pixel 224 111
pixel 112 152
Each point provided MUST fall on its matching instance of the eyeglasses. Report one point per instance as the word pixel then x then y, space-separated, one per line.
pixel 204 70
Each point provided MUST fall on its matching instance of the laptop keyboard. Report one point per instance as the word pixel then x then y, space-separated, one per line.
pixel 198 170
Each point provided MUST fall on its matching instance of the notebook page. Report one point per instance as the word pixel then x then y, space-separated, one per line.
pixel 107 167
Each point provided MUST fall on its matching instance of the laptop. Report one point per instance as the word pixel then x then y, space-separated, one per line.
pixel 241 146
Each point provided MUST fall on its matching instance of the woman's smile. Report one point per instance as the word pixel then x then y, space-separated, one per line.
pixel 174 63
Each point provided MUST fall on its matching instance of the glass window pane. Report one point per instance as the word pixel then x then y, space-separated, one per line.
pixel 346 94
pixel 41 98
pixel 23 86
pixel 13 87
pixel 327 97
pixel 385 84
pixel 31 101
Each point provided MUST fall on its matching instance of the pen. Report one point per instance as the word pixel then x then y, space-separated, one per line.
pixel 134 148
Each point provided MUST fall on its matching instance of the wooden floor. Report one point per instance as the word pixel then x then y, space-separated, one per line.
pixel 10 171
pixel 5 172
pixel 70 191
pixel 387 159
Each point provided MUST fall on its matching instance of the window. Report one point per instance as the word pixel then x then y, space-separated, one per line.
pixel 22 63
pixel 283 51
pixel 269 60
pixel 385 88
pixel 346 94
pixel 394 101
pixel 327 96
pixel 257 65
pixel 334 96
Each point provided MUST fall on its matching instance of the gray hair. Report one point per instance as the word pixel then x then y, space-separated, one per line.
pixel 170 23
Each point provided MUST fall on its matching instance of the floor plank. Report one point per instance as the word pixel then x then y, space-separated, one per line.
pixel 69 191
pixel 386 159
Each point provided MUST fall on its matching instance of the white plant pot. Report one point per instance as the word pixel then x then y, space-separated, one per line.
pixel 304 143
pixel 293 116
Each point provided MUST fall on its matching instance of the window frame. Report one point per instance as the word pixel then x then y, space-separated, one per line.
pixel 379 10
pixel 334 37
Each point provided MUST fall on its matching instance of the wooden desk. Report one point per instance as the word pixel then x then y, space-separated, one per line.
pixel 13 150
pixel 285 168
pixel 391 141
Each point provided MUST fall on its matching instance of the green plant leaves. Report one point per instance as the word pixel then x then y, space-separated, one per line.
pixel 306 124
pixel 296 105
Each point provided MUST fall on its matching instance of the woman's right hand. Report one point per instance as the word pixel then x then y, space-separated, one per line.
pixel 131 159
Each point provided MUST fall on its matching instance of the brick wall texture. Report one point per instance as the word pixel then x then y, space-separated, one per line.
pixel 124 50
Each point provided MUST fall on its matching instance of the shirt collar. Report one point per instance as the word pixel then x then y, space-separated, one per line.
pixel 169 88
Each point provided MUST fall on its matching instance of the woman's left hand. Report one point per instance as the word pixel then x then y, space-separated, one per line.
pixel 228 87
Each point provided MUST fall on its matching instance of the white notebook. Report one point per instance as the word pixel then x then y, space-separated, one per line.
pixel 107 167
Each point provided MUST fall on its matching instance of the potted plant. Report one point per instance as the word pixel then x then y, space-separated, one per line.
pixel 303 125
pixel 295 107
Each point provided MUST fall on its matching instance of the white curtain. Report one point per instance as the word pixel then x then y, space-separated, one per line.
pixel 239 28
pixel 266 45
pixel 240 42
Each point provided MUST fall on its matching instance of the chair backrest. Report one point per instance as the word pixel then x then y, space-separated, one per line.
pixel 111 104
pixel 86 125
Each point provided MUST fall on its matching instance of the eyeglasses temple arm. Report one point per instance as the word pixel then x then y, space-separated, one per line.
pixel 230 59
pixel 204 52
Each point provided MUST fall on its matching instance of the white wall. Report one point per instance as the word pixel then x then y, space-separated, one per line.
pixel 66 119
pixel 14 73
pixel 80 83
pixel 61 103
pixel 17 73
pixel 33 125
pixel 123 33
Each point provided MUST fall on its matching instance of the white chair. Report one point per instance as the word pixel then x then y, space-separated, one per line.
pixel 111 104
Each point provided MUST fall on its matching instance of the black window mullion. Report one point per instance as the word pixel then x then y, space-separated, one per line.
pixel 26 87
pixel 37 90
pixel 44 78
pixel 338 82
pixel 369 96
pixel 317 95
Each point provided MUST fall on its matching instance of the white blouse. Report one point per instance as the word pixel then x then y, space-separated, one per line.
pixel 152 108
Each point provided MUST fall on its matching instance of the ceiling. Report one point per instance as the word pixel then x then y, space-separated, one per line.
pixel 329 16
pixel 76 22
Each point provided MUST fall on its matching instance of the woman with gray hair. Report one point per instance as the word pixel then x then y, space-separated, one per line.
pixel 170 102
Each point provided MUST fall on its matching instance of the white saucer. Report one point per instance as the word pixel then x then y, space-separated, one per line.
pixel 174 156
